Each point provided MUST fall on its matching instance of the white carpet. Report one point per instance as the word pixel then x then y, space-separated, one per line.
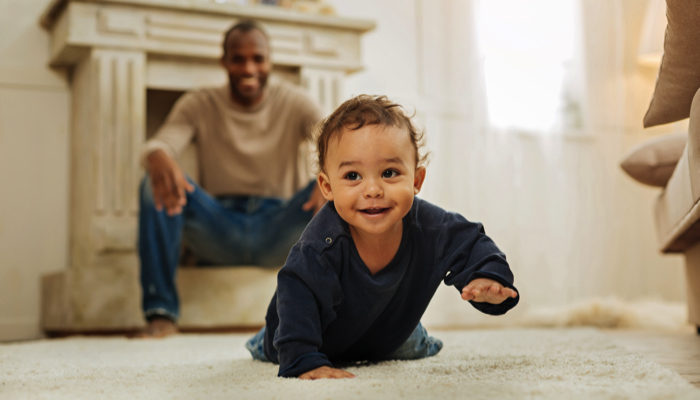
pixel 611 312
pixel 578 363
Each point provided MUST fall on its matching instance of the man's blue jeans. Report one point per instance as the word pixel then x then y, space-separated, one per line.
pixel 248 230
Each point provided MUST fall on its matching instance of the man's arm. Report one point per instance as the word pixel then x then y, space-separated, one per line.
pixel 158 156
pixel 315 202
pixel 311 115
pixel 168 181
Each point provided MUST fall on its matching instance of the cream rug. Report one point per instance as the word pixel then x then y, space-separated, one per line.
pixel 578 363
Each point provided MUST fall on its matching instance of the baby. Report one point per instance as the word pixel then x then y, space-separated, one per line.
pixel 356 284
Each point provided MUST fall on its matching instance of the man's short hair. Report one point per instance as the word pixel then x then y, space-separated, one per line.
pixel 244 25
pixel 368 110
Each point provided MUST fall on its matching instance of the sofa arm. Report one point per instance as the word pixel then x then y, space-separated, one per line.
pixel 677 209
pixel 694 146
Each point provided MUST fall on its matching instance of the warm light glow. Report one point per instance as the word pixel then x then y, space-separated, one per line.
pixel 526 47
pixel 651 44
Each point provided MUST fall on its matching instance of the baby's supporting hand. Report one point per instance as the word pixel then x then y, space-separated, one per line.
pixel 325 372
pixel 487 290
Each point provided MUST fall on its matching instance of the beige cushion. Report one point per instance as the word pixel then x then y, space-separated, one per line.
pixel 679 74
pixel 652 161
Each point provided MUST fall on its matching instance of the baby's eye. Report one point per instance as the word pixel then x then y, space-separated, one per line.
pixel 353 176
pixel 389 173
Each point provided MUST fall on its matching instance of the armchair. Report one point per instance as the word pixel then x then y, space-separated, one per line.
pixel 676 97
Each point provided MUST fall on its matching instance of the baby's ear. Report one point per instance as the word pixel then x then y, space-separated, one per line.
pixel 418 180
pixel 325 185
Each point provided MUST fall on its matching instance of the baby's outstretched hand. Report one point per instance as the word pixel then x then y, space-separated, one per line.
pixel 487 290
pixel 325 372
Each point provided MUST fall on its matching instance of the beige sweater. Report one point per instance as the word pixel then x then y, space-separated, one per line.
pixel 262 150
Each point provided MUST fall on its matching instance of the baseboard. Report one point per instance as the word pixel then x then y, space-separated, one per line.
pixel 109 299
pixel 16 329
pixel 62 333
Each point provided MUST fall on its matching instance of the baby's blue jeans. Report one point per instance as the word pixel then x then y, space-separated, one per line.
pixel 247 230
pixel 418 345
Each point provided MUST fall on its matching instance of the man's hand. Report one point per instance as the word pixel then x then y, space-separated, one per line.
pixel 487 290
pixel 325 372
pixel 315 202
pixel 169 183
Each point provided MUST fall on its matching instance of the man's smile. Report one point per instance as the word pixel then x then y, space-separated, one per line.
pixel 249 81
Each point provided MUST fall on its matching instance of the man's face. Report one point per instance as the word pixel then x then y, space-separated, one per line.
pixel 247 60
pixel 371 176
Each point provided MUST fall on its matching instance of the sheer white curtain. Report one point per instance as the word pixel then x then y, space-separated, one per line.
pixel 531 61
pixel 541 100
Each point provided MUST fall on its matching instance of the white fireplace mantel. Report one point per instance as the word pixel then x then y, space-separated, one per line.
pixel 193 28
pixel 116 50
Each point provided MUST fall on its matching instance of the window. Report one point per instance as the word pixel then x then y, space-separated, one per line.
pixel 529 63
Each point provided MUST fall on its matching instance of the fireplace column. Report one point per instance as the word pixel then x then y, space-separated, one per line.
pixel 108 130
pixel 325 86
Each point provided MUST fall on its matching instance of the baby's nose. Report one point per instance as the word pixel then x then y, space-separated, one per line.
pixel 374 189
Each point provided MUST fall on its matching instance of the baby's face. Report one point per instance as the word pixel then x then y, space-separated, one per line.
pixel 371 175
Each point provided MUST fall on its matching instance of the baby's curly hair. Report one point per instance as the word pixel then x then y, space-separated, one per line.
pixel 368 110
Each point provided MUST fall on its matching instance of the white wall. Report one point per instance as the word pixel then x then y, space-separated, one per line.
pixel 34 167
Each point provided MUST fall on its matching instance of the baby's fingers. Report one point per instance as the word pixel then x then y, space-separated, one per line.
pixel 508 292
pixel 325 373
pixel 340 374
pixel 474 291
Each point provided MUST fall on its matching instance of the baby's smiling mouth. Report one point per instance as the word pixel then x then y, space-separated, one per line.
pixel 374 210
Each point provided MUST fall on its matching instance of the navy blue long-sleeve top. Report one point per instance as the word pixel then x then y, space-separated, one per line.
pixel 329 307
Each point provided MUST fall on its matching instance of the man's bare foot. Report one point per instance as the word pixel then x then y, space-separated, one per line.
pixel 158 328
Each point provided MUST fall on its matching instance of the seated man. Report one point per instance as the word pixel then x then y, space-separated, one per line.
pixel 256 196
